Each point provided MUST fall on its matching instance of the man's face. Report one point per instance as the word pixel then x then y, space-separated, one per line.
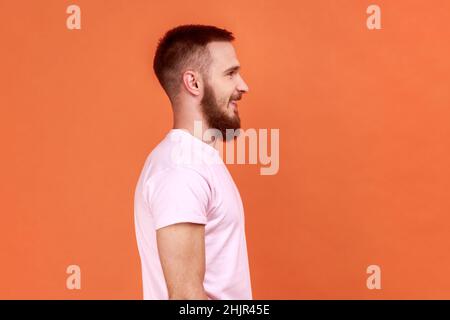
pixel 223 88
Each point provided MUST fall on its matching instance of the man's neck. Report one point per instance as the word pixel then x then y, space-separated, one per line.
pixel 197 129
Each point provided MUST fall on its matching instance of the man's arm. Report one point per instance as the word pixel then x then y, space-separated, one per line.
pixel 181 250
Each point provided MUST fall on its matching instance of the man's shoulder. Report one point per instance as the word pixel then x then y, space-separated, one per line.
pixel 181 152
pixel 172 164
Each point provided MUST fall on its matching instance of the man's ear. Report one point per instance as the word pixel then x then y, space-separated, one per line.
pixel 192 82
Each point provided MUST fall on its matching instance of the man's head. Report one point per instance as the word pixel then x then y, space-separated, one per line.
pixel 198 64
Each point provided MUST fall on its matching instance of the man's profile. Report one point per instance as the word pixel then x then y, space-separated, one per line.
pixel 189 216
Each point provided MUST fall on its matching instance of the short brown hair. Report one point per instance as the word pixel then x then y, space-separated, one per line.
pixel 183 47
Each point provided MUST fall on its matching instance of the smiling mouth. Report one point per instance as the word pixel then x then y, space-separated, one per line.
pixel 233 104
pixel 234 101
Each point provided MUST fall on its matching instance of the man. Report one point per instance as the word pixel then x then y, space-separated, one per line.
pixel 189 216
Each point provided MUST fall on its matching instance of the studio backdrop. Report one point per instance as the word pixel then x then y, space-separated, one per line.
pixel 349 199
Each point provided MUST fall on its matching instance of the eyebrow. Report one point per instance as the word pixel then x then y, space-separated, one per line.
pixel 233 68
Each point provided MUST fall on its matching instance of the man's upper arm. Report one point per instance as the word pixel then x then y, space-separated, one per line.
pixel 178 201
pixel 178 195
pixel 181 250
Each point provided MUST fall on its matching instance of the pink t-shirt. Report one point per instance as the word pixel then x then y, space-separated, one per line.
pixel 185 180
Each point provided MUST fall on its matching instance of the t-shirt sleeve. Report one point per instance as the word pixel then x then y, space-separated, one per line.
pixel 178 195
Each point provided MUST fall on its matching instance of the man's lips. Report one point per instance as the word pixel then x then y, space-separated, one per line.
pixel 234 101
pixel 234 106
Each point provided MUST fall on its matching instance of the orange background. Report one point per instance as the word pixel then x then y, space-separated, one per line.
pixel 364 144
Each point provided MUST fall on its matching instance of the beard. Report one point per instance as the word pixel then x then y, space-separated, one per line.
pixel 217 118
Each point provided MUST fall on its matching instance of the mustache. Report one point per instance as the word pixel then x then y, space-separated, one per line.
pixel 236 97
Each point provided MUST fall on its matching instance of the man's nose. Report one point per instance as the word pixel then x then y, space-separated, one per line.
pixel 242 86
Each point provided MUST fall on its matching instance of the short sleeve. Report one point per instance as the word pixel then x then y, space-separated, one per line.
pixel 178 195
